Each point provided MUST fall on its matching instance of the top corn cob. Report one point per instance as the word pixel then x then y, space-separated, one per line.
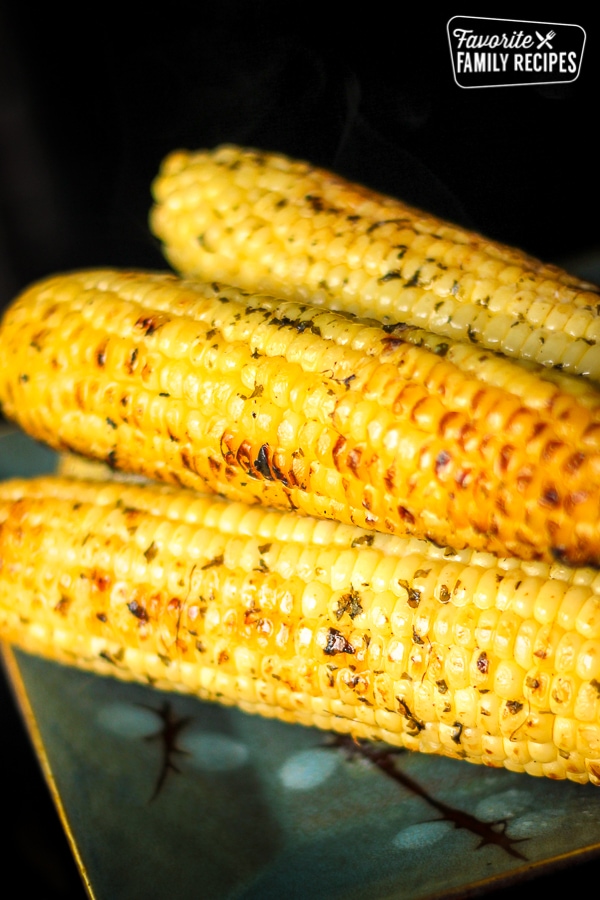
pixel 268 401
pixel 266 223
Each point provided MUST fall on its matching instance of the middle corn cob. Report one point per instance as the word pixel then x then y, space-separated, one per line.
pixel 295 407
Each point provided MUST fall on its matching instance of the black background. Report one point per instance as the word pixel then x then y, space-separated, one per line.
pixel 90 103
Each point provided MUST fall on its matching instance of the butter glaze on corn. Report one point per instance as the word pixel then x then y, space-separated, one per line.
pixel 490 660
pixel 268 223
pixel 274 402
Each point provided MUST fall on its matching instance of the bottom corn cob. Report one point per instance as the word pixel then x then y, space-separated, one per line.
pixel 491 660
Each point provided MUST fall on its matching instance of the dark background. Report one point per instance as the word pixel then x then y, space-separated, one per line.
pixel 91 103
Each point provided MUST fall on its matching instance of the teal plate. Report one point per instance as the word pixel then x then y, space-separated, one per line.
pixel 165 796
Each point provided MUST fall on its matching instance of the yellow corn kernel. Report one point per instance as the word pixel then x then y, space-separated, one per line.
pixel 562 695
pixel 312 236
pixel 493 749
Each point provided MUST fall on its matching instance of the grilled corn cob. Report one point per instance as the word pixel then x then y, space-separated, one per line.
pixel 490 660
pixel 267 223
pixel 294 407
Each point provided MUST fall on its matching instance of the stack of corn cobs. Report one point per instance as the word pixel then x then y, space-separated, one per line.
pixel 379 442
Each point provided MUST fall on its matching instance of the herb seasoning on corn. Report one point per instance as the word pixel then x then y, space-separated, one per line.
pixel 268 223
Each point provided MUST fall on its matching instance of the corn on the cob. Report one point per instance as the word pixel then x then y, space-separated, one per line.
pixel 268 401
pixel 491 660
pixel 267 223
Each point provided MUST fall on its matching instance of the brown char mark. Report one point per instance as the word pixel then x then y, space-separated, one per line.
pixel 395 221
pixel 406 515
pixel 337 643
pixel 266 465
pixel 137 610
pixel 151 323
pixel 101 355
pixel 261 463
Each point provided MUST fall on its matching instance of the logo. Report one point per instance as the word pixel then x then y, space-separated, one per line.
pixel 504 52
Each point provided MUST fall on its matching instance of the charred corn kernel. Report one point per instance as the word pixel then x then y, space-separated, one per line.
pixel 304 233
pixel 247 606
pixel 192 383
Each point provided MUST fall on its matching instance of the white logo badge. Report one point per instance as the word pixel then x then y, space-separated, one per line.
pixel 503 52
